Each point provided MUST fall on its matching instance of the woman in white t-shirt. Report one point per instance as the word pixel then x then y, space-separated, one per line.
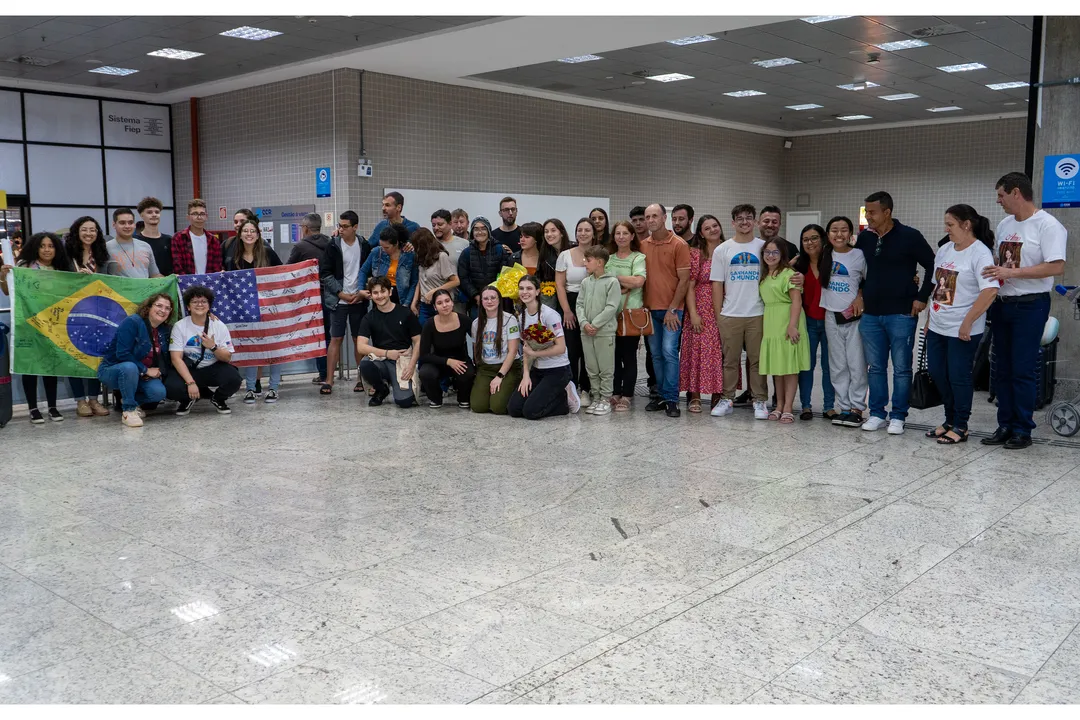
pixel 495 354
pixel 958 308
pixel 569 272
pixel 841 272
pixel 200 348
pixel 546 388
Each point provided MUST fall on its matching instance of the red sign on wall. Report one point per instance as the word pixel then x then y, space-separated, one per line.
pixel 223 212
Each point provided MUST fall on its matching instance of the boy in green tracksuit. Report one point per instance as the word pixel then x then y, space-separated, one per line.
pixel 598 313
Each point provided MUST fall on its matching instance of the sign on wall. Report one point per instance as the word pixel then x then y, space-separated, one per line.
pixel 322 182
pixel 132 125
pixel 1060 188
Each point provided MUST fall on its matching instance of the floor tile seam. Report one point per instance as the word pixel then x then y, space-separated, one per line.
pixel 437 661
pixel 1043 665
pixel 142 639
pixel 569 670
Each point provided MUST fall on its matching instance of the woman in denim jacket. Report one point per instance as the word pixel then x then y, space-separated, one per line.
pixel 391 261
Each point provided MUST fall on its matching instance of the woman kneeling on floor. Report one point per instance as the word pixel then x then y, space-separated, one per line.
pixel 134 360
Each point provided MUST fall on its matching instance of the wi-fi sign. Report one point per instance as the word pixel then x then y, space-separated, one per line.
pixel 1066 168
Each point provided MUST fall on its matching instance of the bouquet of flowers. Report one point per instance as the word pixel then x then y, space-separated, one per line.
pixel 538 336
pixel 547 295
pixel 507 282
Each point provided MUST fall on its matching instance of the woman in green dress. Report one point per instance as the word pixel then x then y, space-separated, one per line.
pixel 785 347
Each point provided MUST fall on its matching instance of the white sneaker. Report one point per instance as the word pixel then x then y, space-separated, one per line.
pixel 586 399
pixel 572 398
pixel 875 423
pixel 761 412
pixel 132 419
pixel 896 427
pixel 722 408
pixel 591 407
pixel 601 408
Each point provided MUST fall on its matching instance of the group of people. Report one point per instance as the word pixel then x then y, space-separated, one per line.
pixel 423 308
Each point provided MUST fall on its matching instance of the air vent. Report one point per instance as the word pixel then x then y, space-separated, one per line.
pixel 30 60
pixel 936 31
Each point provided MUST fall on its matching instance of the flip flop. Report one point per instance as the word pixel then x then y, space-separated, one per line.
pixel 786 418
pixel 326 389
pixel 359 386
pixel 946 440
pixel 775 415
pixel 695 406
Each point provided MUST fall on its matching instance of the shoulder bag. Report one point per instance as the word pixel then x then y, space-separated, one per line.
pixel 924 394
pixel 635 322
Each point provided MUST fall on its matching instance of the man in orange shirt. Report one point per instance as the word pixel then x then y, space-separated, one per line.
pixel 667 277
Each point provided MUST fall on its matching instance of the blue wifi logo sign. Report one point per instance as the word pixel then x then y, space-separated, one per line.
pixel 1061 188
pixel 1066 168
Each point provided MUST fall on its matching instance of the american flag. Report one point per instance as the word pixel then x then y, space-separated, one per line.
pixel 274 314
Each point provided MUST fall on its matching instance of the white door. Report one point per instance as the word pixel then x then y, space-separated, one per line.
pixel 796 221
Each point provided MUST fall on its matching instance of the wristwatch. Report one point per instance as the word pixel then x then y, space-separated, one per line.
pixel 213 349
pixel 500 375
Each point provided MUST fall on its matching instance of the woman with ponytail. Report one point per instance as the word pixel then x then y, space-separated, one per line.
pixel 958 308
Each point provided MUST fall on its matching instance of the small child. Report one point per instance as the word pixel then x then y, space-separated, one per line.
pixel 598 314
pixel 785 346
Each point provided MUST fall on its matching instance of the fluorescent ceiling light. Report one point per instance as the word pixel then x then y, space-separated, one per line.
pixel 110 70
pixel 806 106
pixel 580 59
pixel 777 62
pixel 744 93
pixel 901 45
pixel 858 86
pixel 250 33
pixel 173 54
pixel 949 108
pixel 899 96
pixel 1007 85
pixel 963 67
pixel 692 40
pixel 854 117
pixel 824 18
pixel 670 77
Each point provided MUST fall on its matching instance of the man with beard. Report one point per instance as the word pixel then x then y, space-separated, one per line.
pixel 769 228
pixel 442 226
pixel 392 204
pixel 682 221
pixel 509 234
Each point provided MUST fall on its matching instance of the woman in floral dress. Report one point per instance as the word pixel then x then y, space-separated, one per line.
pixel 701 368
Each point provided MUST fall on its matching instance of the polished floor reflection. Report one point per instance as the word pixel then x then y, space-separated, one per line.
pixel 318 551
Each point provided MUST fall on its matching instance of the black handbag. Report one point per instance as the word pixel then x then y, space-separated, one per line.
pixel 924 394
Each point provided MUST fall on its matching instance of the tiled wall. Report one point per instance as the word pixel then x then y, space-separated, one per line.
pixel 925 169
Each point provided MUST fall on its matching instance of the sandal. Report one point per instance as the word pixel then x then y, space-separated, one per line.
pixel 317 380
pixel 787 418
pixel 774 415
pixel 934 434
pixel 624 405
pixel 326 389
pixel 806 414
pixel 695 405
pixel 359 386
pixel 961 436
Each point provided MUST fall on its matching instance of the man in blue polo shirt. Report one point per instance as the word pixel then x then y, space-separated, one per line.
pixel 392 203
pixel 892 302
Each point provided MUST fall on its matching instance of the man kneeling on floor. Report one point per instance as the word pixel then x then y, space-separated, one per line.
pixel 390 343
pixel 200 348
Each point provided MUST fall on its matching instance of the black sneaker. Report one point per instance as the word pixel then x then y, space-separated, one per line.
pixel 271 397
pixel 672 410
pixel 377 399
pixel 656 405
pixel 220 406
pixel 839 418
pixel 852 419
pixel 185 406
pixel 36 418
pixel 743 400
pixel 258 387
pixel 55 415
pixel 249 398
pixel 464 405
pixel 434 405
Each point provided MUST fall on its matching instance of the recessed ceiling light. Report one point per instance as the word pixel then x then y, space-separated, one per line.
pixel 744 93
pixel 899 96
pixel 692 40
pixel 1007 85
pixel 948 108
pixel 777 62
pixel 1010 103
pixel 854 117
pixel 902 45
pixel 858 86
pixel 250 33
pixel 110 70
pixel 824 18
pixel 580 59
pixel 963 67
pixel 669 77
pixel 173 54
pixel 806 106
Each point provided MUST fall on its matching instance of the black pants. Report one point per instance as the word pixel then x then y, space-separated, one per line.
pixel 382 375
pixel 29 386
pixel 547 397
pixel 648 367
pixel 223 376
pixel 625 366
pixel 320 362
pixel 578 372
pixel 432 374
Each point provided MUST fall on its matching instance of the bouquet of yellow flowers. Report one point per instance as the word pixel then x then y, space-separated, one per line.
pixel 507 282
pixel 547 289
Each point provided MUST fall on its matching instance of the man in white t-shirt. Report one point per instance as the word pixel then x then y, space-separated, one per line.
pixel 200 348
pixel 442 227
pixel 1030 251
pixel 736 274
pixel 343 299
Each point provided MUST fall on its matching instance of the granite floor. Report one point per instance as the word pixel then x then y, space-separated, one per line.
pixel 319 551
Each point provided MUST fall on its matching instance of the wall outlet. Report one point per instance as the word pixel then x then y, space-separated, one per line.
pixel 363 170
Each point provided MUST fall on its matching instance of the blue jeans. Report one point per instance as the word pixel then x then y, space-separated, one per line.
pixel 84 387
pixel 665 351
pixel 815 331
pixel 425 312
pixel 886 336
pixel 134 391
pixel 951 361
pixel 251 373
pixel 1017 328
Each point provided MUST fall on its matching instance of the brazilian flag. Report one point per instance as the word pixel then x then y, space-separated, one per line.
pixel 62 321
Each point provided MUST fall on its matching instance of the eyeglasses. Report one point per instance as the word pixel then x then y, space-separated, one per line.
pixel 199 301
pixel 771 253
pixel 744 218
pixel 197 214
pixel 345 226
pixel 812 238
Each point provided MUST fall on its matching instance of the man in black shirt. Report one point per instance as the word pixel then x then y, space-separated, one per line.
pixel 160 243
pixel 769 228
pixel 892 303
pixel 390 340
pixel 509 234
